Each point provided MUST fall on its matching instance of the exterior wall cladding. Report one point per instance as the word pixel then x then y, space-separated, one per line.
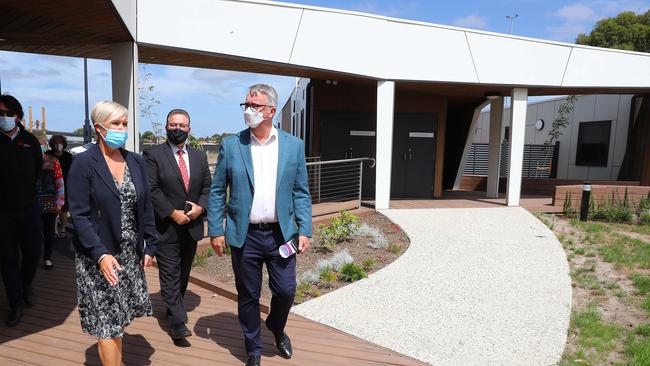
pixel 588 108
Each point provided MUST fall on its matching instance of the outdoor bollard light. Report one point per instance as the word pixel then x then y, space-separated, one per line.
pixel 584 208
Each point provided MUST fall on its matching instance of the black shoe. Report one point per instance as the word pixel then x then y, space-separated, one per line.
pixel 283 343
pixel 179 330
pixel 253 360
pixel 28 297
pixel 15 315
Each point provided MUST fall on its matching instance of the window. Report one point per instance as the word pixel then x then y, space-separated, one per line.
pixel 593 143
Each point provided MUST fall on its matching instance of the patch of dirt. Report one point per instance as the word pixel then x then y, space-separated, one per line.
pixel 221 269
pixel 616 298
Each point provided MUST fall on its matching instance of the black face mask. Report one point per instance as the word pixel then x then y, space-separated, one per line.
pixel 177 136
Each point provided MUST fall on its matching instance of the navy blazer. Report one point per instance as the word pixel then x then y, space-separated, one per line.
pixel 168 193
pixel 95 205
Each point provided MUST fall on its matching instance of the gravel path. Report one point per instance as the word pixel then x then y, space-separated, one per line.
pixel 486 286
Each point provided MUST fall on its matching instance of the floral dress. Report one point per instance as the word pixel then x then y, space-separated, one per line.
pixel 105 310
pixel 50 189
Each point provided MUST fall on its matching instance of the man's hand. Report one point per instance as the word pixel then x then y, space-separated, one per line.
pixel 303 243
pixel 109 267
pixel 147 261
pixel 195 212
pixel 218 243
pixel 179 217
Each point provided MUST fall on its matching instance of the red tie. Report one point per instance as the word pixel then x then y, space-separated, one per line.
pixel 183 167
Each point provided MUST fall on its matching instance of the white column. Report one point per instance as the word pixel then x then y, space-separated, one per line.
pixel 384 156
pixel 517 132
pixel 124 72
pixel 496 115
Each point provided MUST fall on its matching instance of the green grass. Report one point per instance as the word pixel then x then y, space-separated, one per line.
pixel 201 260
pixel 643 330
pixel 580 251
pixel 641 283
pixel 625 251
pixel 639 229
pixel 585 278
pixel 593 332
pixel 351 272
pixel 637 349
pixel 590 227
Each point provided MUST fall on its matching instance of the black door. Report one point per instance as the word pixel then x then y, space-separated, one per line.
pixel 348 135
pixel 413 155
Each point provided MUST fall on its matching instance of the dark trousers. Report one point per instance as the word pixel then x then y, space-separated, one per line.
pixel 174 266
pixel 261 246
pixel 21 243
pixel 49 221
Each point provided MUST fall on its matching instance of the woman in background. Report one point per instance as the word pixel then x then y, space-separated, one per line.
pixel 50 192
pixel 58 144
pixel 115 234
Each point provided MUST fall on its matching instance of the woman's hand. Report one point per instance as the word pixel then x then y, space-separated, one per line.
pixel 147 261
pixel 109 267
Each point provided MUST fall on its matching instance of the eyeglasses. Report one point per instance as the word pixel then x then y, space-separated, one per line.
pixel 253 106
pixel 4 113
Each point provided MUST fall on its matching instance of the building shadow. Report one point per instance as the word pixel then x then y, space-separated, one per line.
pixel 224 330
pixel 136 351
pixel 55 296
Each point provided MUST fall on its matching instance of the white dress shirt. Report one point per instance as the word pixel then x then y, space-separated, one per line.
pixel 186 158
pixel 265 171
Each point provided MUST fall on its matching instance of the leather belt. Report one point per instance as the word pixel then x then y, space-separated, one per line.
pixel 263 226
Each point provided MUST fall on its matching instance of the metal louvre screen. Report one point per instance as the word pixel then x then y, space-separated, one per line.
pixel 536 162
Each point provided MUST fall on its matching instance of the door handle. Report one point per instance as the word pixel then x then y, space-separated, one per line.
pixel 404 156
pixel 410 154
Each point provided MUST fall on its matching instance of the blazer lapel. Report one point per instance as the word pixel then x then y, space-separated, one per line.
pixel 134 170
pixel 101 168
pixel 245 149
pixel 282 161
pixel 172 162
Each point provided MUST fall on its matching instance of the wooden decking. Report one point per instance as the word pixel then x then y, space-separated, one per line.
pixel 50 334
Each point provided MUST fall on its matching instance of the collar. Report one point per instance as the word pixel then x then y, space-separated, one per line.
pixel 175 148
pixel 272 137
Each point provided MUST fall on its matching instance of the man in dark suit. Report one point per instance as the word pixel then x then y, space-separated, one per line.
pixel 269 207
pixel 21 242
pixel 179 179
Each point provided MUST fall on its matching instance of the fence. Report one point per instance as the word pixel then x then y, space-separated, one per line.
pixel 536 163
pixel 336 180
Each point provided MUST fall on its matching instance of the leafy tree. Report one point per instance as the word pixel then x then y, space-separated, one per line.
pixel 627 31
pixel 194 143
pixel 79 131
pixel 148 135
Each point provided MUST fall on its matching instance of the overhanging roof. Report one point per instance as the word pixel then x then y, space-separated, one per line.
pixel 289 39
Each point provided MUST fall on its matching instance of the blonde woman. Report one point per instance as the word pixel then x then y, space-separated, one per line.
pixel 50 191
pixel 115 236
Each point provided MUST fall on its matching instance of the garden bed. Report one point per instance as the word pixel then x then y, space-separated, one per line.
pixel 344 250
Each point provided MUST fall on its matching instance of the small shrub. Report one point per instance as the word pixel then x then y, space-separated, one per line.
pixel 328 275
pixel 394 248
pixel 341 258
pixel 310 277
pixel 210 252
pixel 339 229
pixel 369 264
pixel 227 250
pixel 352 272
pixel 568 209
pixel 305 289
pixel 323 265
pixel 644 218
pixel 378 241
pixel 579 251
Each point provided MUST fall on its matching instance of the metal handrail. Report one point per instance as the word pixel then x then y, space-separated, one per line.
pixel 326 162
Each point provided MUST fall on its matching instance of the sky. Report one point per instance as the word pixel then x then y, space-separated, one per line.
pixel 212 97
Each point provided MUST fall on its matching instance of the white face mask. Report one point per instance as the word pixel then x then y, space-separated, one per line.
pixel 253 118
pixel 58 147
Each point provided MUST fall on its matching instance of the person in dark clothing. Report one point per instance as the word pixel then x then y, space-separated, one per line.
pixel 58 144
pixel 21 241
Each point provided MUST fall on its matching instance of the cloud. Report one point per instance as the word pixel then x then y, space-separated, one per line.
pixel 580 17
pixel 471 21
pixel 576 13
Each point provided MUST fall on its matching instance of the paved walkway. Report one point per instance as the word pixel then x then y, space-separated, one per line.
pixel 481 286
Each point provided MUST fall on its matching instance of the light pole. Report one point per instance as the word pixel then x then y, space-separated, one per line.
pixel 87 130
pixel 512 18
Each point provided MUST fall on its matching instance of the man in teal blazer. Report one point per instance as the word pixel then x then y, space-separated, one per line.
pixel 260 185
